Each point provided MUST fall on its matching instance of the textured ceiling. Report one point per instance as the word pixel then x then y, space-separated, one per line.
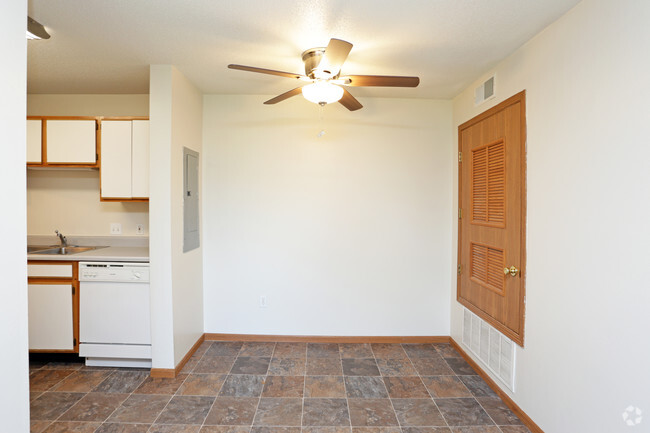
pixel 100 46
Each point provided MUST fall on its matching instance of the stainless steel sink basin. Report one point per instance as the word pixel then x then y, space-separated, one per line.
pixel 60 250
pixel 34 248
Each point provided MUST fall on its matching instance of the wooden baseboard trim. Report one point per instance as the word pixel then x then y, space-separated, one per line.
pixel 167 373
pixel 171 373
pixel 534 428
pixel 325 338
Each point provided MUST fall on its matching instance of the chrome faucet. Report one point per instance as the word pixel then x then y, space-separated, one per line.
pixel 64 241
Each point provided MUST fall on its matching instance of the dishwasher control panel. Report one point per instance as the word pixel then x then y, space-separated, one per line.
pixel 114 271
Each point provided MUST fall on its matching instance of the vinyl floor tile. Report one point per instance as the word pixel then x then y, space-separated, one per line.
pixel 365 387
pixel 324 387
pixel 52 405
pixel 325 412
pixel 324 367
pixel 72 427
pixel 242 385
pixel 283 386
pixel 417 412
pixel 405 387
pixel 94 407
pixel 372 412
pixel 140 408
pixel 232 411
pixel 202 384
pixel 287 367
pixel 360 367
pixel 279 412
pixel 445 386
pixel 463 412
pixel 186 410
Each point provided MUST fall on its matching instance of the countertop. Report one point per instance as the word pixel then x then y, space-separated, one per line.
pixel 108 254
pixel 115 248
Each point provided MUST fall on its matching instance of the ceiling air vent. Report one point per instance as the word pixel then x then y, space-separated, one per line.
pixel 485 91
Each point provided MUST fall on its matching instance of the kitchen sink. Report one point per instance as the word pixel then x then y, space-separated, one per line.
pixel 34 248
pixel 59 250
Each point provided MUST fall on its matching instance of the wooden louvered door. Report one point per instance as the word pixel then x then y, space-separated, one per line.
pixel 492 198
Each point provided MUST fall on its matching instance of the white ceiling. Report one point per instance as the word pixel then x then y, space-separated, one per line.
pixel 100 46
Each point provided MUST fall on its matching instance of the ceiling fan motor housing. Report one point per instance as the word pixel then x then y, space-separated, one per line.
pixel 312 58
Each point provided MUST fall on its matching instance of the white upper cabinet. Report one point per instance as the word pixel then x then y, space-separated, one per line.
pixel 116 159
pixel 71 142
pixel 34 141
pixel 125 159
pixel 140 159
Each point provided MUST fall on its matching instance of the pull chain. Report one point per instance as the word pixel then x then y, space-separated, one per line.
pixel 320 118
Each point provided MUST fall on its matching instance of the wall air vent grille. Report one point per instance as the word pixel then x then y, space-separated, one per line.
pixel 485 91
pixel 493 349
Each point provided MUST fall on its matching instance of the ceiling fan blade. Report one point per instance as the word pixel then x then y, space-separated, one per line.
pixel 285 95
pixel 381 81
pixel 266 71
pixel 349 101
pixel 335 54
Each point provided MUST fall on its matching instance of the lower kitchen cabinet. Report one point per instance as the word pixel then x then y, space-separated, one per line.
pixel 53 306
pixel 50 316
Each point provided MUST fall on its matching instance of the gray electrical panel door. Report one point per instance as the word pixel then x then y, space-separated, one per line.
pixel 191 233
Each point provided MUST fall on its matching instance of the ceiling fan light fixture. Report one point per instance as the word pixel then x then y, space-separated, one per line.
pixel 322 92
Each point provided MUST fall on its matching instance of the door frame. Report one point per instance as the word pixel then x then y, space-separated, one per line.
pixel 516 337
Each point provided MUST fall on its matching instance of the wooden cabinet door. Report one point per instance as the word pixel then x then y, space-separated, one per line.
pixel 71 142
pixel 115 171
pixel 140 159
pixel 50 316
pixel 34 141
pixel 492 216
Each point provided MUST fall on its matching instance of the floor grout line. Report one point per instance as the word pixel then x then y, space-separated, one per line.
pixel 399 423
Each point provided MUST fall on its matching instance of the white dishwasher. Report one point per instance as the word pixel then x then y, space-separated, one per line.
pixel 114 314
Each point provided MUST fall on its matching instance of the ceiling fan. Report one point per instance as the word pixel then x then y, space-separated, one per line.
pixel 322 82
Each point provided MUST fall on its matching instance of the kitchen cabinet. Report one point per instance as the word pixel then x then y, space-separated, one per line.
pixel 50 316
pixel 34 141
pixel 62 141
pixel 71 141
pixel 124 171
pixel 53 306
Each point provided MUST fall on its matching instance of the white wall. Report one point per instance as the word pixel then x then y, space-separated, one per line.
pixel 347 234
pixel 176 285
pixel 187 272
pixel 14 399
pixel 586 353
pixel 160 255
pixel 68 200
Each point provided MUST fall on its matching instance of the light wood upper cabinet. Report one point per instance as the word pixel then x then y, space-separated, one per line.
pixel 62 141
pixel 124 160
pixel 34 141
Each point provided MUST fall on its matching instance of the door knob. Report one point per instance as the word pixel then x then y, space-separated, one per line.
pixel 513 271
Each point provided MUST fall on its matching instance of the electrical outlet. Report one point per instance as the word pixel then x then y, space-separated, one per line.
pixel 116 228
pixel 263 303
pixel 139 229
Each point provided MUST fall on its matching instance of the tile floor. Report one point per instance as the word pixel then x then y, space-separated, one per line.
pixel 234 387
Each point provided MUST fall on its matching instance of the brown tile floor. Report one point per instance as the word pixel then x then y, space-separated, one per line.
pixel 233 387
